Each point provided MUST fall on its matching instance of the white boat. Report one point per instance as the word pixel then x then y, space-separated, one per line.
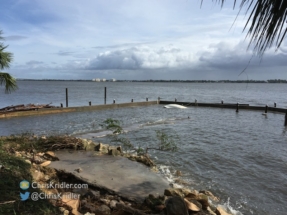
pixel 174 106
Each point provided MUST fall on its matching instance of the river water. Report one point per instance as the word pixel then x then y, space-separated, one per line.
pixel 240 157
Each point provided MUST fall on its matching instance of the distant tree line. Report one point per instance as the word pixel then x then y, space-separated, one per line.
pixel 277 81
pixel 211 81
pixel 183 81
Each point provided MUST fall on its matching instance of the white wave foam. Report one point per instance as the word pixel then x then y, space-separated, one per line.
pixel 230 209
pixel 166 173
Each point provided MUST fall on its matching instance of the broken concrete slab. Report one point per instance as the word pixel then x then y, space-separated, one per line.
pixel 129 179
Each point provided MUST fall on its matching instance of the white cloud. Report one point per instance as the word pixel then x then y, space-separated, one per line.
pixel 141 57
pixel 130 36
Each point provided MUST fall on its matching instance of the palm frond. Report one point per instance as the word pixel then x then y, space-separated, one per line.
pixel 267 19
pixel 5 58
pixel 8 81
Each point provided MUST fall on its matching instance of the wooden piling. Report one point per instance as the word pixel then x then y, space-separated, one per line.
pixel 66 97
pixel 61 105
pixel 237 107
pixel 266 108
pixel 275 104
pixel 285 119
pixel 90 103
pixel 222 102
pixel 146 99
pixel 132 100
pixel 114 102
pixel 105 95
pixel 175 100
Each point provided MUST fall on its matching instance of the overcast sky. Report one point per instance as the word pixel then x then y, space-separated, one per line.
pixel 124 39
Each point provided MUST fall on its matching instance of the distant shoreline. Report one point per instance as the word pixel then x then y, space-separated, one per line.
pixel 171 81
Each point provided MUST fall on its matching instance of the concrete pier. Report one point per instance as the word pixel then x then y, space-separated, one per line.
pixel 226 105
pixel 44 111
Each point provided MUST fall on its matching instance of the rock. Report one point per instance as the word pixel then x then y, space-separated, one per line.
pixel 27 155
pixel 145 160
pixel 141 159
pixel 175 206
pixel 203 200
pixel 103 210
pixel 37 175
pixel 28 161
pixel 88 206
pixel 191 194
pixel 211 211
pixel 204 212
pixel 95 195
pixel 18 154
pixel 191 206
pixel 81 191
pixel 210 195
pixel 78 170
pixel 103 148
pixel 66 212
pixel 105 201
pixel 178 173
pixel 175 192
pixel 50 153
pixel 153 201
pixel 175 186
pixel 114 152
pixel 46 178
pixel 118 148
pixel 72 200
pixel 128 204
pixel 51 156
pixel 37 159
pixel 159 208
pixel 221 211
pixel 113 204
pixel 62 209
pixel 88 145
pixel 181 181
pixel 46 163
pixel 40 154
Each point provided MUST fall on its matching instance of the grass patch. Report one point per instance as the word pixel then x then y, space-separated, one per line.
pixel 14 169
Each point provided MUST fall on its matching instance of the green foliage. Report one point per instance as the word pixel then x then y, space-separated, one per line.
pixel 15 169
pixel 9 82
pixel 5 60
pixel 165 142
pixel 113 125
pixel 266 22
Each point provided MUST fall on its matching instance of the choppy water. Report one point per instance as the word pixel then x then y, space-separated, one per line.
pixel 240 157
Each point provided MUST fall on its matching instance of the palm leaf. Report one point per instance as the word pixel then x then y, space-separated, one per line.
pixel 267 19
pixel 5 60
pixel 8 81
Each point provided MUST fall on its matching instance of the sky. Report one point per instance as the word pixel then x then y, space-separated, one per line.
pixel 133 40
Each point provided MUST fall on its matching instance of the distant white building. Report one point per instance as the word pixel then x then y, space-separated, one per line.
pixel 99 80
pixel 113 79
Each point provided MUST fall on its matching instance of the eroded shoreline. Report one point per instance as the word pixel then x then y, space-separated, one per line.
pixel 37 154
